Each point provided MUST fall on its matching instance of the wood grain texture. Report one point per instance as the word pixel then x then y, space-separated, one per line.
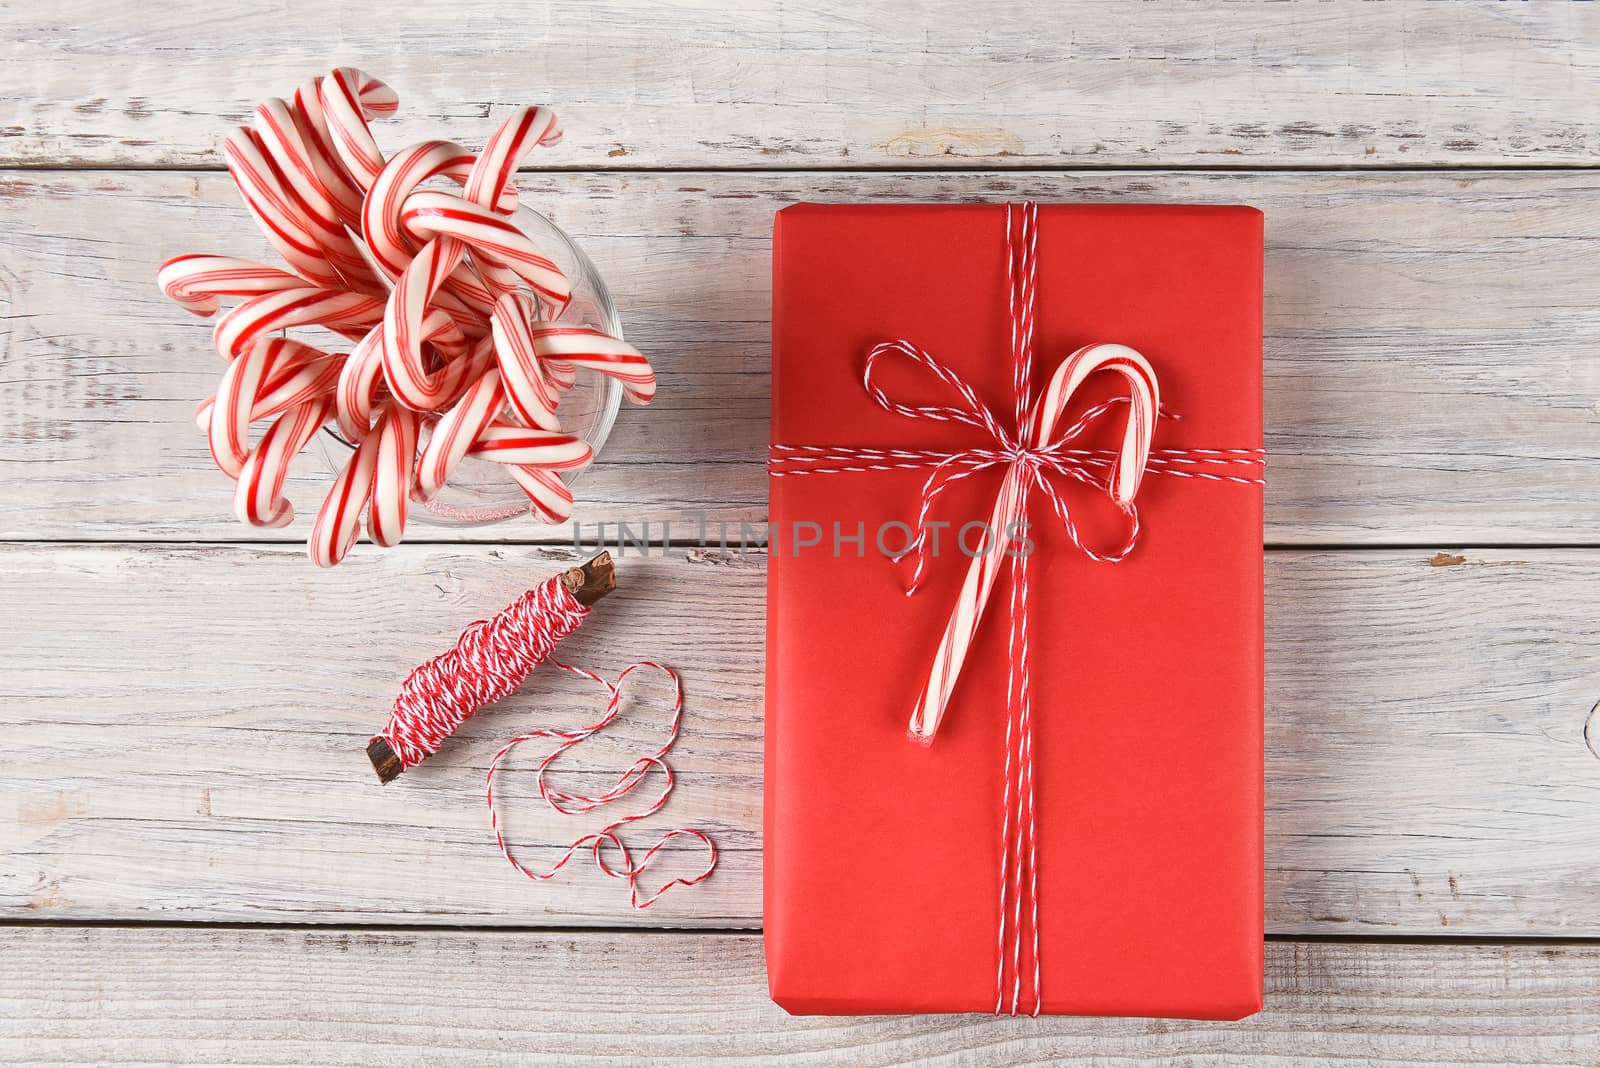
pixel 184 723
pixel 1430 341
pixel 185 731
pixel 734 84
pixel 297 997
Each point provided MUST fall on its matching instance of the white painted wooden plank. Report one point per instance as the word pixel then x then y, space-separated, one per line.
pixel 734 83
pixel 1430 339
pixel 184 730
pixel 297 997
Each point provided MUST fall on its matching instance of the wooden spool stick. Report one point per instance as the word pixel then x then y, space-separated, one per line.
pixel 591 581
pixel 587 584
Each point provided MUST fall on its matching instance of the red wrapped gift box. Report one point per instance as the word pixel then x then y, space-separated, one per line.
pixel 883 858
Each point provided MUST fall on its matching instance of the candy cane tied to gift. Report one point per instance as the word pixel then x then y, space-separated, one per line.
pixel 1034 451
pixel 449 308
pixel 1026 465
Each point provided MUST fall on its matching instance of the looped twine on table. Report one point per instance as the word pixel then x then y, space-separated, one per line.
pixel 567 804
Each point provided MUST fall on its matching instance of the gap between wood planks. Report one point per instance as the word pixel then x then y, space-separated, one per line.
pixel 898 168
pixel 1446 553
pixel 407 930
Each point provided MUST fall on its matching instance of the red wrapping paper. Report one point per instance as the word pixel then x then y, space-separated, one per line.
pixel 883 857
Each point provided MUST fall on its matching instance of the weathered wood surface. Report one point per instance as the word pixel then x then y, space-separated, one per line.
pixel 730 83
pixel 184 722
pixel 298 997
pixel 1430 342
pixel 185 728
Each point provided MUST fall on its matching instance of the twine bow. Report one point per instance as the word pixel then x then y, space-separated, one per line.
pixel 1034 452
pixel 1037 450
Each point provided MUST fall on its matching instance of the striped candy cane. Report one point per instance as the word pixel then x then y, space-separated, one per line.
pixel 534 459
pixel 341 311
pixel 575 347
pixel 404 365
pixel 347 98
pixel 531 386
pixel 339 518
pixel 392 475
pixel 258 496
pixel 196 281
pixel 454 434
pixel 1024 473
pixel 270 378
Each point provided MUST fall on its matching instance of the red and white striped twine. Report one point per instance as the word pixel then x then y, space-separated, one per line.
pixel 1028 455
pixel 488 662
pixel 564 803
